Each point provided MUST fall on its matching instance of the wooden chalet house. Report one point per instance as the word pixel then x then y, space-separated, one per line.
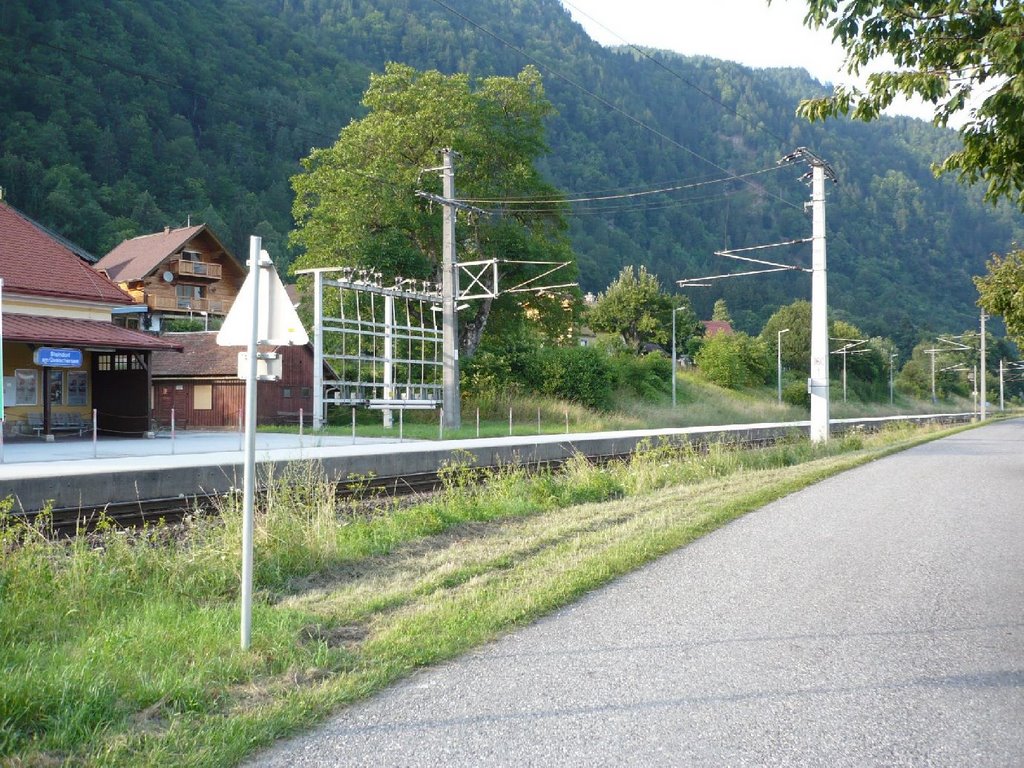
pixel 184 272
pixel 63 356
pixel 203 388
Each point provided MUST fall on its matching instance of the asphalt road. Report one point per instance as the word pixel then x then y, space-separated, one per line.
pixel 876 618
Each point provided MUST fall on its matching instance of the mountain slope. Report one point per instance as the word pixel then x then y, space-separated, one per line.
pixel 120 117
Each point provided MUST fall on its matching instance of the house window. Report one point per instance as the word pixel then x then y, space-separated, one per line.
pixel 202 397
pixel 104 362
pixel 286 392
pixel 191 256
pixel 26 387
pixel 189 294
pixel 120 361
pixel 305 391
pixel 137 364
pixel 78 387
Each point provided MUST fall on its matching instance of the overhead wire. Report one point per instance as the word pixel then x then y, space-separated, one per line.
pixel 583 89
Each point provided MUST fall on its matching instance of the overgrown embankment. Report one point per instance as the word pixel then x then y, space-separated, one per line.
pixel 122 648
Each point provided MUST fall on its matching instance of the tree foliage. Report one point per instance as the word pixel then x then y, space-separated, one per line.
pixel 944 52
pixel 734 360
pixel 1001 291
pixel 356 202
pixel 636 308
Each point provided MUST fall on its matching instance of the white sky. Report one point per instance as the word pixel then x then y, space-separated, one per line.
pixel 746 31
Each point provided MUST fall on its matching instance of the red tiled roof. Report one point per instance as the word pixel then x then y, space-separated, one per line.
pixel 135 259
pixel 711 327
pixel 80 333
pixel 203 356
pixel 35 262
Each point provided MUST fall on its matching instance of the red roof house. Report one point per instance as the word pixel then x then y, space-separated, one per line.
pixel 52 299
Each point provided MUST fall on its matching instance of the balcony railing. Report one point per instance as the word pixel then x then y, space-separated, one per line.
pixel 196 269
pixel 183 305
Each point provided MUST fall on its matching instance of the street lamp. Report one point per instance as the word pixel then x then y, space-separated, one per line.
pixel 674 310
pixel 778 367
pixel 892 356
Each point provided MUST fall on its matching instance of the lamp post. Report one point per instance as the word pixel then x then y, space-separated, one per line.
pixel 778 365
pixel 892 356
pixel 674 310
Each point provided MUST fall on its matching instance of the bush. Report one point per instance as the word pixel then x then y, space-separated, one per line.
pixel 580 374
pixel 647 377
pixel 734 360
pixel 795 393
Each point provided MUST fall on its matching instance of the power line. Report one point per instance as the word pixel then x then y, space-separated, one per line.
pixel 678 76
pixel 596 97
pixel 623 195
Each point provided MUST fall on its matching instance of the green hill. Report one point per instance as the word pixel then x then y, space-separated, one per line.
pixel 123 116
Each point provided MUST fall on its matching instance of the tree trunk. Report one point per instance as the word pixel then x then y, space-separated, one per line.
pixel 472 331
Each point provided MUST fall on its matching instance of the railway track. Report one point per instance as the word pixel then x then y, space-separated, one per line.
pixel 70 521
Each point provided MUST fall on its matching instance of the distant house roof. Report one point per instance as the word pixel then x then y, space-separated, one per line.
pixel 711 327
pixel 203 356
pixel 35 261
pixel 81 333
pixel 136 259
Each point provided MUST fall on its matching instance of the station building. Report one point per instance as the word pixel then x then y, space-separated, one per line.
pixel 62 355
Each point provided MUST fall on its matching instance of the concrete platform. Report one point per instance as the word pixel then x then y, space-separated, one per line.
pixel 72 473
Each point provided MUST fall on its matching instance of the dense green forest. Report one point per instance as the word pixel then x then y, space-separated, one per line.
pixel 123 116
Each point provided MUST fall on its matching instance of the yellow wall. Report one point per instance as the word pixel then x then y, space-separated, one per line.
pixel 41 307
pixel 18 356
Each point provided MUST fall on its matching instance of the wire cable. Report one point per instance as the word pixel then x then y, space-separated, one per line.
pixel 583 89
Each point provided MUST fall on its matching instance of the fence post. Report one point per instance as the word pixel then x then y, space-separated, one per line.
pixel 538 420
pixel 172 430
pixel 440 423
pixel 241 431
pixel 302 419
pixel 353 425
pixel 401 423
pixel 478 422
pixel 94 446
pixel 510 421
pixel 567 421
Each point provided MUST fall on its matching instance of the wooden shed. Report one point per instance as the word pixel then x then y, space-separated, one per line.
pixel 203 388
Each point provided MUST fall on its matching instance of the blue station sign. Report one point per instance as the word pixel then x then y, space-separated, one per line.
pixel 57 357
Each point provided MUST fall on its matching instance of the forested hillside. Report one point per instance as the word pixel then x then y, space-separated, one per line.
pixel 123 116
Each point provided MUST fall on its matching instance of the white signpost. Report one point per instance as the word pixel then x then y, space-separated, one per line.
pixel 262 314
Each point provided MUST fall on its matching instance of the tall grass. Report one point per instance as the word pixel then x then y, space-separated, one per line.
pixel 121 647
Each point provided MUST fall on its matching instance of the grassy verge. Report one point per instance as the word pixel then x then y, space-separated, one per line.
pixel 122 648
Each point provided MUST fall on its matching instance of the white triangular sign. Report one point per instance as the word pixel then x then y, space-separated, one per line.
pixel 279 323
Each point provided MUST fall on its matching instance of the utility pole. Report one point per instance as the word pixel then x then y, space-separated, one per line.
pixel 451 398
pixel 982 412
pixel 817 385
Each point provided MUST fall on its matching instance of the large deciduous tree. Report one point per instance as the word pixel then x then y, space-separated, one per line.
pixel 944 52
pixel 1002 292
pixel 356 202
pixel 635 307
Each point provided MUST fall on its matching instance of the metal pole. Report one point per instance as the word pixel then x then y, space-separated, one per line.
pixel 818 384
pixel 1002 403
pixel 318 350
pixel 389 365
pixel 95 447
pixel 249 474
pixel 674 356
pixel 983 364
pixel 975 388
pixel 449 288
pixel 172 430
pixel 778 363
pixel 933 377
pixel 892 358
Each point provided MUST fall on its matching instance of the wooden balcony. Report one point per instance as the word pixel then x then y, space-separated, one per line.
pixel 184 306
pixel 201 269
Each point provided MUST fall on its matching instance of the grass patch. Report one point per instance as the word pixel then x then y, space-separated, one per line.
pixel 122 648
